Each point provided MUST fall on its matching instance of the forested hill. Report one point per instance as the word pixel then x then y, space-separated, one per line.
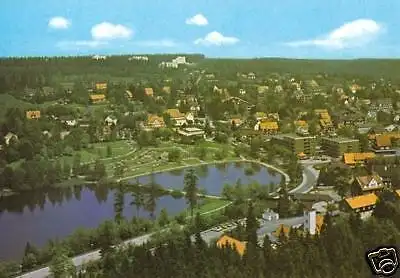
pixel 17 73
pixel 365 68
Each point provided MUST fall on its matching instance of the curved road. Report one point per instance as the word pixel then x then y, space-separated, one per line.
pixel 310 176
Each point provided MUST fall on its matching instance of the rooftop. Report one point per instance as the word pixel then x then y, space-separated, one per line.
pixel 340 139
pixel 383 140
pixel 239 246
pixel 295 136
pixel 352 158
pixel 362 201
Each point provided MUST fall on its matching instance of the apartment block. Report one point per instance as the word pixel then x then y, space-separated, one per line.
pixel 337 146
pixel 297 144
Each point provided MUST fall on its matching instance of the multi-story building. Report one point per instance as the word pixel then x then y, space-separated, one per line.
pixel 337 146
pixel 297 144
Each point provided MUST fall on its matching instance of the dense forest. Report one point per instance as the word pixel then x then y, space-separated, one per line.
pixel 365 68
pixel 18 73
pixel 339 251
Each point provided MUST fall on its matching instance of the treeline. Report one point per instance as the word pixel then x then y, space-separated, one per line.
pixel 18 73
pixel 348 69
pixel 339 251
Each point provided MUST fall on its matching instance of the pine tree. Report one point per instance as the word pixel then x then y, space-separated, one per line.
pixel 191 189
pixel 119 202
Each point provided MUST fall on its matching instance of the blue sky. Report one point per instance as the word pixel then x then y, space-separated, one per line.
pixel 216 28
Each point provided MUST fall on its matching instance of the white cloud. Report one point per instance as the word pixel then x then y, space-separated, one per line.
pixel 59 22
pixel 216 38
pixel 110 31
pixel 351 34
pixel 198 19
pixel 79 44
pixel 157 43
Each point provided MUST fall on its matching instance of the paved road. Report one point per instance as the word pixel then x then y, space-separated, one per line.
pixel 82 259
pixel 310 176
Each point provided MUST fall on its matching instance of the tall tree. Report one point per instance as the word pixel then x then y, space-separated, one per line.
pixel 138 199
pixel 153 192
pixel 99 170
pixel 191 189
pixel 61 265
pixel 284 202
pixel 76 164
pixel 119 202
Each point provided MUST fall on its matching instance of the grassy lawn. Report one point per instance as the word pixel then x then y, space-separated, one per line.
pixel 206 144
pixel 207 205
pixel 140 161
pixel 192 161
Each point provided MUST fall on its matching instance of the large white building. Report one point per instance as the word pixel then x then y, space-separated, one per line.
pixel 99 57
pixel 138 58
pixel 310 221
pixel 180 60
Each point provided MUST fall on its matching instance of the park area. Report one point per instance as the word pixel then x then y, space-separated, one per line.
pixel 143 161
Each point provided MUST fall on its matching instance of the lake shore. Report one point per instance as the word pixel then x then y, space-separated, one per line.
pixel 80 180
pixel 285 175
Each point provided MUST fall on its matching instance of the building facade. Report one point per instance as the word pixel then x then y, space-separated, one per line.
pixel 338 146
pixel 297 144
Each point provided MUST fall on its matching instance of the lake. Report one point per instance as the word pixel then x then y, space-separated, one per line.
pixel 37 217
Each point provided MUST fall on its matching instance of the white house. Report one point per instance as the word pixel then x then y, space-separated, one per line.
pixel 111 120
pixel 72 122
pixel 195 108
pixel 9 136
pixel 391 128
pixel 270 215
pixel 180 60
pixel 251 76
pixel 64 134
pixel 99 57
pixel 138 58
pixel 189 117
pixel 242 92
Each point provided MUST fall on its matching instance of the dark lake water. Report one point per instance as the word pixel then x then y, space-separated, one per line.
pixel 37 217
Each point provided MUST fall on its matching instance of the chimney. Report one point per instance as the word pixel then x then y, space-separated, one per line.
pixel 310 221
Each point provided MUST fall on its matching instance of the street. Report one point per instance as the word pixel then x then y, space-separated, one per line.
pixel 310 176
pixel 208 236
